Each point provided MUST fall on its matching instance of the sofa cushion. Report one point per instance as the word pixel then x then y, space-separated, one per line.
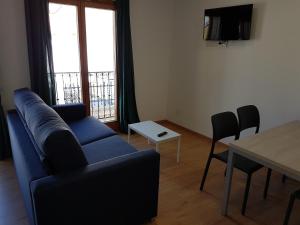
pixel 23 98
pixel 90 129
pixel 107 148
pixel 56 144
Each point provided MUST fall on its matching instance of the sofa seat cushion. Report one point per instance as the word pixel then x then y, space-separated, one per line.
pixel 90 129
pixel 107 148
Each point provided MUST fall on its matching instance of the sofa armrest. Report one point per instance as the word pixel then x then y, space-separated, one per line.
pixel 71 112
pixel 120 191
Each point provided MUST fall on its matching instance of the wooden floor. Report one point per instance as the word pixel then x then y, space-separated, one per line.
pixel 180 201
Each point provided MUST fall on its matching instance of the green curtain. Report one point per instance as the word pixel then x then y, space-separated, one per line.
pixel 127 103
pixel 4 137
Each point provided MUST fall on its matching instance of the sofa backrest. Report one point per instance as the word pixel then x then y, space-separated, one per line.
pixel 55 143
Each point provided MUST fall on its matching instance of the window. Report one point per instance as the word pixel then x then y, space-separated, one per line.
pixel 83 42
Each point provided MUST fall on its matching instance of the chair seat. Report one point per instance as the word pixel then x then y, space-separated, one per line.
pixel 246 165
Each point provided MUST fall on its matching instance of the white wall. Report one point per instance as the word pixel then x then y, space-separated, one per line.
pixel 265 71
pixel 181 77
pixel 151 23
pixel 14 72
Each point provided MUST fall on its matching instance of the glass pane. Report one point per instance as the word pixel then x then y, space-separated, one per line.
pixel 65 39
pixel 100 32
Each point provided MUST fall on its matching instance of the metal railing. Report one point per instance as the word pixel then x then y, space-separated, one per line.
pixel 102 91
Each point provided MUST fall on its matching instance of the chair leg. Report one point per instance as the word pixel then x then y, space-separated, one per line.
pixel 267 183
pixel 205 172
pixel 246 194
pixel 283 179
pixel 289 210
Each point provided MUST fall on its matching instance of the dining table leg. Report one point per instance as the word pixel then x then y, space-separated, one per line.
pixel 230 163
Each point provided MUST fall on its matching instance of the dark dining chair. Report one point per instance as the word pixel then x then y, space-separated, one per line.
pixel 249 117
pixel 294 195
pixel 226 125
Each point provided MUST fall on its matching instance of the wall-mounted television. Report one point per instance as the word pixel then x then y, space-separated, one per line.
pixel 228 23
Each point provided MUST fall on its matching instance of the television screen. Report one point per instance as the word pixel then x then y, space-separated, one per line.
pixel 229 23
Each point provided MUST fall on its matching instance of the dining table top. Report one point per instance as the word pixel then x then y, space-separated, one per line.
pixel 277 148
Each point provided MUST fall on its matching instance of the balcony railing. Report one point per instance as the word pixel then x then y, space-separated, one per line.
pixel 102 88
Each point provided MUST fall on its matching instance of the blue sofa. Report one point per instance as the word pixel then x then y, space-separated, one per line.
pixel 74 170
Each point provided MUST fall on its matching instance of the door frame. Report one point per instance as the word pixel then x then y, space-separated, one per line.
pixel 81 4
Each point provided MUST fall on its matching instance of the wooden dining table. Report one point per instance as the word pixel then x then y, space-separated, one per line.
pixel 277 148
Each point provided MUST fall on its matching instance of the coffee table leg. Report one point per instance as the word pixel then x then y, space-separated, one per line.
pixel 128 134
pixel 178 149
pixel 157 147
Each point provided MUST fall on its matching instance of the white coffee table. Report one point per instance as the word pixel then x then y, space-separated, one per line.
pixel 150 130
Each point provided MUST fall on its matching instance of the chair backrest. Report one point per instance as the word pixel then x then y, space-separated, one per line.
pixel 224 125
pixel 248 117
